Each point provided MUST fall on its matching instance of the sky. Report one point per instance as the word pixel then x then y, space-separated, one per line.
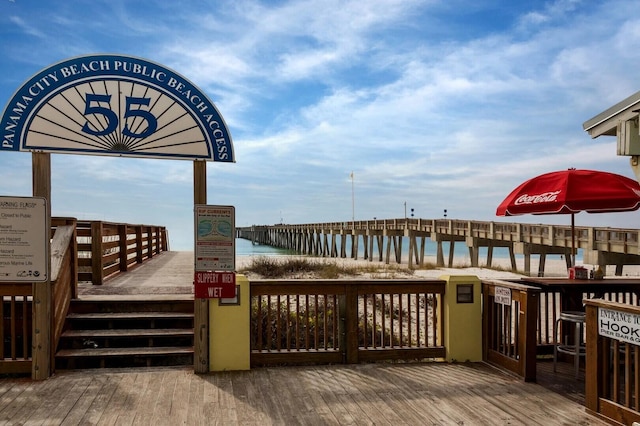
pixel 343 109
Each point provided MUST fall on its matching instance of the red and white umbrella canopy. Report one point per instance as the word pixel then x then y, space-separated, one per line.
pixel 572 191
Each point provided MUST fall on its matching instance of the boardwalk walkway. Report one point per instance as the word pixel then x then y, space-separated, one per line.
pixel 380 394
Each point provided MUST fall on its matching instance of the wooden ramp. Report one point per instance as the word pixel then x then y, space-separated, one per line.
pixel 381 394
pixel 170 273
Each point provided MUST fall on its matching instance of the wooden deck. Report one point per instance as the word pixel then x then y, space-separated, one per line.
pixel 413 394
pixel 384 393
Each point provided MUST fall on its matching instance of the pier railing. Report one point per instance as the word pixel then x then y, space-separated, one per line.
pixel 602 246
pixel 345 321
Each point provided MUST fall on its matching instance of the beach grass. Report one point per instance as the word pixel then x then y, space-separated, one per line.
pixel 276 267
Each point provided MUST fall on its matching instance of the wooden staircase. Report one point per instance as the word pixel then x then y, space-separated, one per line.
pixel 126 331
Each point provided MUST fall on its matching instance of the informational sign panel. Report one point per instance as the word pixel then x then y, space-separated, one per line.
pixel 502 296
pixel 24 239
pixel 623 326
pixel 215 243
pixel 209 284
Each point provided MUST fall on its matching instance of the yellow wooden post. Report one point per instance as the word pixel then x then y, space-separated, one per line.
pixel 42 351
pixel 463 318
pixel 229 326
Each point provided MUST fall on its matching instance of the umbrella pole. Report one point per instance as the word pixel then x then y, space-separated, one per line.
pixel 573 240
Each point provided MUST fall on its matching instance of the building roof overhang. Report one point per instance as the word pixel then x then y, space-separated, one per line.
pixel 606 123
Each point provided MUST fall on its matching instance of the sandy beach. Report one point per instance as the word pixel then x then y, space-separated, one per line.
pixel 500 267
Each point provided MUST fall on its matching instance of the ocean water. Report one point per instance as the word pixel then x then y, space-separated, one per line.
pixel 461 251
pixel 246 248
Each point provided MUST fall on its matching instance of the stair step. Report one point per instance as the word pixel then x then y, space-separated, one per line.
pixel 139 332
pixel 128 315
pixel 129 352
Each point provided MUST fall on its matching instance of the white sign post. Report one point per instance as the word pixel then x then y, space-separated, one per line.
pixel 24 239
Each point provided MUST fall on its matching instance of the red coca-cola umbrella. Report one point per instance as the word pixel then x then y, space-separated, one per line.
pixel 572 191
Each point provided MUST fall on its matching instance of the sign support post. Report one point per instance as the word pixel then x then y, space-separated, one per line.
pixel 42 351
pixel 201 307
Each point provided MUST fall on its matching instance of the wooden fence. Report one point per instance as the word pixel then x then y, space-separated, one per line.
pixel 514 334
pixel 345 321
pixel 509 327
pixel 74 248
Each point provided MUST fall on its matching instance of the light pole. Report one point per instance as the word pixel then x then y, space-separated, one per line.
pixel 353 201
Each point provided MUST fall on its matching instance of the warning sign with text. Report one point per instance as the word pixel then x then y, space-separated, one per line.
pixel 24 239
pixel 215 248
pixel 212 284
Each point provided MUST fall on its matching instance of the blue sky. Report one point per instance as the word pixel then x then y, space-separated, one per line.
pixel 439 104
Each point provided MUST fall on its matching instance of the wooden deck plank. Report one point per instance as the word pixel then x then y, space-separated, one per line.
pixel 96 410
pixel 118 402
pixel 227 403
pixel 366 390
pixel 430 393
pixel 164 399
pixel 211 401
pixel 115 352
pixel 57 411
pixel 93 387
pixel 254 409
pixel 195 400
pixel 147 402
pixel 272 400
pixel 291 396
pixel 129 315
pixel 339 398
pixel 134 400
pixel 14 400
pixel 129 332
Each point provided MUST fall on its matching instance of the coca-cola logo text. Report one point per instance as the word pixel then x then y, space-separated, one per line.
pixel 545 197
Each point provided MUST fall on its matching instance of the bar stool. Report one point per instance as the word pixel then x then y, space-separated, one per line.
pixel 577 349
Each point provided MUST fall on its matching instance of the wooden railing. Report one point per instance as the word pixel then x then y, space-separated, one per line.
pixel 16 307
pixel 612 376
pixel 509 327
pixel 64 272
pixel 74 247
pixel 106 249
pixel 515 333
pixel 15 333
pixel 345 321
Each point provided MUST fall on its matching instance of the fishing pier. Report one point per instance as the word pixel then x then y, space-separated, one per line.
pixel 382 241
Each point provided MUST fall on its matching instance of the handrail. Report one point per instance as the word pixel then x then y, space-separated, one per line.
pixel 612 375
pixel 64 273
pixel 118 246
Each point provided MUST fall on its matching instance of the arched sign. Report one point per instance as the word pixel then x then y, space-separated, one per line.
pixel 116 106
